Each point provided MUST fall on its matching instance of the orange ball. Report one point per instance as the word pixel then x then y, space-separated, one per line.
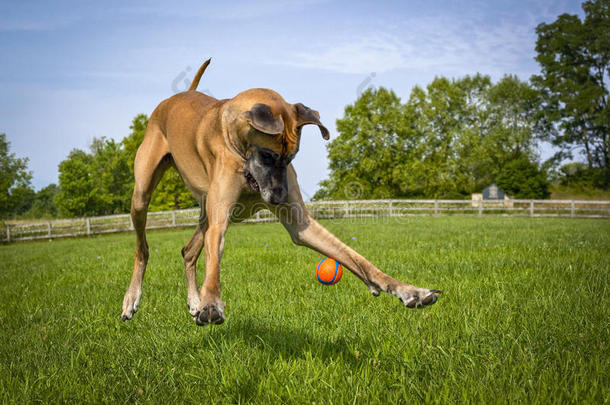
pixel 329 271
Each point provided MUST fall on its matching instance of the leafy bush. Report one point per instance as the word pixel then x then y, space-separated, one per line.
pixel 522 178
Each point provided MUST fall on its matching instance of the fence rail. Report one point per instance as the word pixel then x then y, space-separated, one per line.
pixel 320 209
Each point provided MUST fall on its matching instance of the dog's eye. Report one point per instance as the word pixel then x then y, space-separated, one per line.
pixel 268 157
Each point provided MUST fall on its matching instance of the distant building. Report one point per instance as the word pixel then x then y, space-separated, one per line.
pixel 492 194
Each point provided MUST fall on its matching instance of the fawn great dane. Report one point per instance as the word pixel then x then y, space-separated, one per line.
pixel 235 157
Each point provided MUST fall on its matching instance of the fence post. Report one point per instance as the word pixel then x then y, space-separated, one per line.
pixel 435 207
pixel 8 233
pixel 49 229
pixel 346 209
pixel 391 208
pixel 258 216
pixel 572 208
pixel 130 223
pixel 481 207
pixel 531 208
pixel 88 226
pixel 174 219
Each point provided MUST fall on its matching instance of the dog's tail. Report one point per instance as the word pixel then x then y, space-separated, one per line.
pixel 197 77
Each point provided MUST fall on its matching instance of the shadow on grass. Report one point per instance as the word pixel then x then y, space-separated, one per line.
pixel 279 341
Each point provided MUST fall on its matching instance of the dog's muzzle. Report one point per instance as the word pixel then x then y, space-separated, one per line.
pixel 251 181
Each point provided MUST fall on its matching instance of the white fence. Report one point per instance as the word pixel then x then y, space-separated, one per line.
pixel 321 209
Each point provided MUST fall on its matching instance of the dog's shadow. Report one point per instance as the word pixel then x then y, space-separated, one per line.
pixel 279 340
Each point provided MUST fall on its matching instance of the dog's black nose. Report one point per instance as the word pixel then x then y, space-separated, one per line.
pixel 278 195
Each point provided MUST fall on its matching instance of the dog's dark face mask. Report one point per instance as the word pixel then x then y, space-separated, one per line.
pixel 265 171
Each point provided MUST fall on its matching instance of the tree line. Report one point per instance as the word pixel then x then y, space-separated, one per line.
pixel 447 140
pixel 94 182
pixel 455 137
pixel 100 182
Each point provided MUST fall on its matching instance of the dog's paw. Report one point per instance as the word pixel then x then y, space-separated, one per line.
pixel 211 313
pixel 414 297
pixel 131 302
pixel 193 306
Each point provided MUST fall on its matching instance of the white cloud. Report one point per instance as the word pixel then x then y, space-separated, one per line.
pixel 373 53
pixel 439 44
pixel 228 11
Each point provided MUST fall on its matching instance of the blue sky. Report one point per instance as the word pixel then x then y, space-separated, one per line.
pixel 75 70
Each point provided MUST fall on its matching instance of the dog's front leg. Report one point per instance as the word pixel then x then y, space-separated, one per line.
pixel 305 230
pixel 222 196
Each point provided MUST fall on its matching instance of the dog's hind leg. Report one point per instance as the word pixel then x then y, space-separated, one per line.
pixel 152 159
pixel 190 253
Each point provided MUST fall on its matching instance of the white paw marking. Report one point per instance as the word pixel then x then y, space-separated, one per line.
pixel 193 304
pixel 131 303
pixel 414 297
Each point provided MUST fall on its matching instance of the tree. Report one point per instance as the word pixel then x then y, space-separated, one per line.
pixel 44 205
pixel 577 177
pixel 436 117
pixel 512 108
pixel 101 182
pixel 77 193
pixel 449 140
pixel 371 134
pixel 112 178
pixel 506 131
pixel 16 193
pixel 171 193
pixel 574 56
pixel 522 178
pixel 132 142
pixel 95 183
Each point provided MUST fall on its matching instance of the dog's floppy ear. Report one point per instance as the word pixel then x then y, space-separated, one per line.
pixel 261 118
pixel 306 115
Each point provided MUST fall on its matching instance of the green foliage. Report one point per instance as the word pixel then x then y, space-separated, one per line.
pixel 523 318
pixel 431 168
pixel 522 178
pixel 21 199
pixel 132 142
pixel 575 59
pixel 576 173
pixel 579 178
pixel 449 140
pixel 110 170
pixel 44 205
pixel 95 183
pixel 16 193
pixel 373 132
pixel 77 194
pixel 171 193
pixel 101 182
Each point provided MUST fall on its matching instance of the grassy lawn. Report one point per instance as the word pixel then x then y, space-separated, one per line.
pixel 524 317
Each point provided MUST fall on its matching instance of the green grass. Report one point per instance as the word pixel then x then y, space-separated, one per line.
pixel 524 318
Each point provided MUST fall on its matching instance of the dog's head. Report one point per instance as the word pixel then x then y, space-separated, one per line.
pixel 271 129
